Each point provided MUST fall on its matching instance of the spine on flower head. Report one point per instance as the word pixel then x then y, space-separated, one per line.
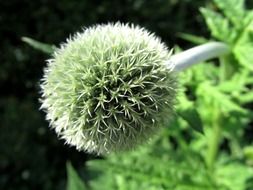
pixel 108 89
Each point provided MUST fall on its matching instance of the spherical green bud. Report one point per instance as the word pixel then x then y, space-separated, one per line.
pixel 108 88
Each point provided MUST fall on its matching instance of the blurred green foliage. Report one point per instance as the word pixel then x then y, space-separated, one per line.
pixel 31 157
pixel 74 181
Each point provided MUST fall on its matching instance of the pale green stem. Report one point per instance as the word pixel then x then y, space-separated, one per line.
pixel 197 54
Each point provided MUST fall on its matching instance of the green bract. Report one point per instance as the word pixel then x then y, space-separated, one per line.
pixel 108 88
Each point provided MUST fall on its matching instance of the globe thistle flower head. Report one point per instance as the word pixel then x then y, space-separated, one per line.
pixel 107 89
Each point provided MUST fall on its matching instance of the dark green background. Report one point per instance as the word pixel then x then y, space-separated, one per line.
pixel 31 156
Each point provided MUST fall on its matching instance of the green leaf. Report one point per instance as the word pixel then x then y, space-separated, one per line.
pixel 218 25
pixel 143 168
pixel 234 176
pixel 192 117
pixel 187 112
pixel 212 95
pixel 74 181
pixel 46 48
pixel 248 153
pixel 246 98
pixel 236 84
pixel 233 9
pixel 243 50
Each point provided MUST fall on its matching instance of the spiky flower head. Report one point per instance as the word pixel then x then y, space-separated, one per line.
pixel 108 89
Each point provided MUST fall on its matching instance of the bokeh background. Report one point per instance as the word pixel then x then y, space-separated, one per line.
pixel 31 155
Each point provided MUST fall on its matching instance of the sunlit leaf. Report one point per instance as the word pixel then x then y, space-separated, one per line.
pixel 243 49
pixel 233 9
pixel 234 176
pixel 218 25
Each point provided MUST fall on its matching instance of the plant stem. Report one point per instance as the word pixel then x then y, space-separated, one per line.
pixel 198 54
pixel 226 70
pixel 214 140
